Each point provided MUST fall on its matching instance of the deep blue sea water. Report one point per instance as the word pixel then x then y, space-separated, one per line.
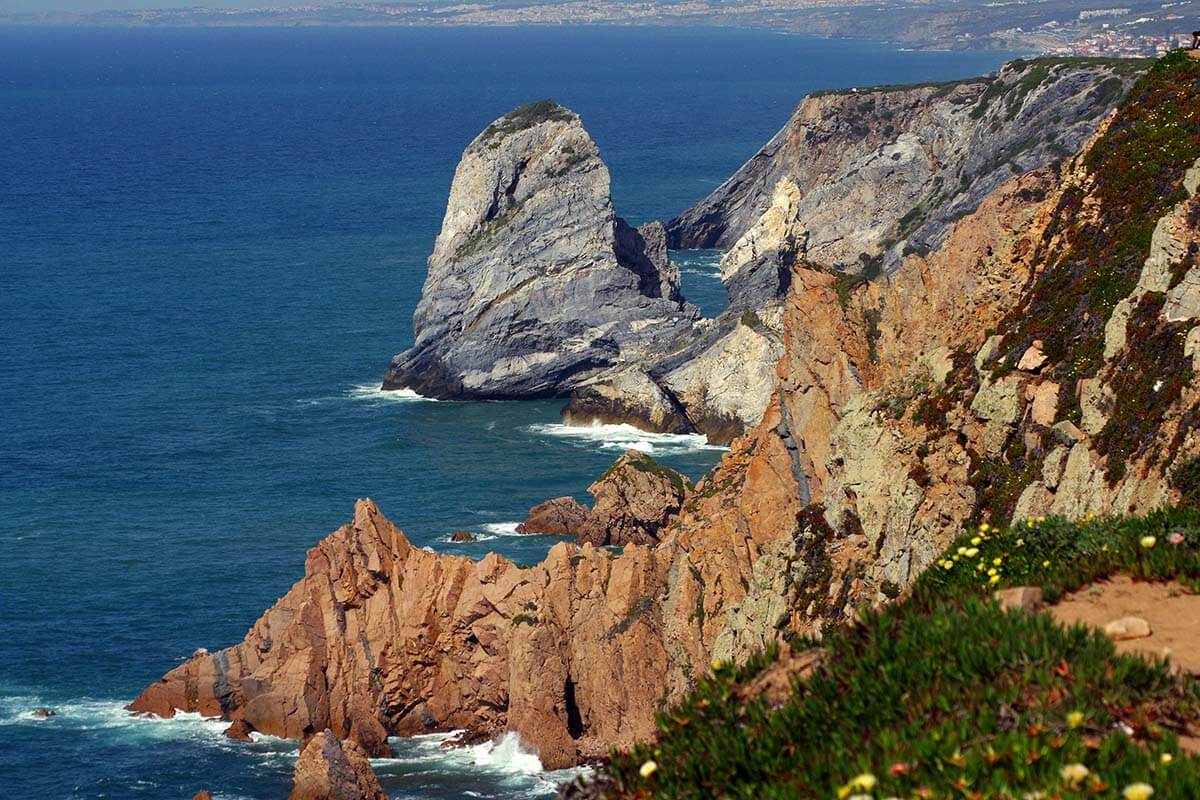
pixel 211 242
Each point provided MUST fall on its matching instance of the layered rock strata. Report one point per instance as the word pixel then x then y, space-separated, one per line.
pixel 879 171
pixel 534 282
pixel 854 182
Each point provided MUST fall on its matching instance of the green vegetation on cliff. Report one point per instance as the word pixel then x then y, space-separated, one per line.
pixel 943 694
pixel 527 116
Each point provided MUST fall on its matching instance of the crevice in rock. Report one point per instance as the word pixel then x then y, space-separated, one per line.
pixel 574 718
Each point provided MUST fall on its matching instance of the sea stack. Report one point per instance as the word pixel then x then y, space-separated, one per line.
pixel 534 282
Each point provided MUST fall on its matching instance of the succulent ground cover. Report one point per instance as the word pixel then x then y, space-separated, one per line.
pixel 943 694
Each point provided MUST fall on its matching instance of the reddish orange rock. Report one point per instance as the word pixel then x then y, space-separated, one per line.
pixel 329 769
pixel 561 516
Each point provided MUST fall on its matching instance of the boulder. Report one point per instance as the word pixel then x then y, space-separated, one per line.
pixel 203 794
pixel 635 499
pixel 239 731
pixel 462 536
pixel 1033 358
pixel 44 713
pixel 1020 598
pixel 1044 403
pixel 1127 628
pixel 562 516
pixel 331 769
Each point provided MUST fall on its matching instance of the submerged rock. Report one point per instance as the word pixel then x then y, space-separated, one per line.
pixel 534 282
pixel 330 769
pixel 462 536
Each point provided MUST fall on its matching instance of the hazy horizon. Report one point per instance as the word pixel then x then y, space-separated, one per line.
pixel 22 6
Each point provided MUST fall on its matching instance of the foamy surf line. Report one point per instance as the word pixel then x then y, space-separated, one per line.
pixel 371 391
pixel 505 760
pixel 627 437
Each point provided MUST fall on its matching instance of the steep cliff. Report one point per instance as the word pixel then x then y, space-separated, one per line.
pixel 534 282
pixel 889 169
pixel 1041 360
pixel 855 181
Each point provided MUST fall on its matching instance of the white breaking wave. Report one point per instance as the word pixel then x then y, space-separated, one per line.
pixel 502 528
pixel 627 437
pixel 507 754
pixel 372 391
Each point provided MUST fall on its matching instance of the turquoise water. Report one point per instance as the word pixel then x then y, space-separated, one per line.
pixel 211 242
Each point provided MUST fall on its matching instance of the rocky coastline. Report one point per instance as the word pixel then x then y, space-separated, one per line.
pixel 988 372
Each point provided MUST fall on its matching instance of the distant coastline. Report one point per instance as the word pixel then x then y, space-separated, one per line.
pixel 1059 27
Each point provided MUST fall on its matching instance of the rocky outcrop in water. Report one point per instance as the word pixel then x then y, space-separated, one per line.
pixel 330 769
pixel 562 516
pixel 534 283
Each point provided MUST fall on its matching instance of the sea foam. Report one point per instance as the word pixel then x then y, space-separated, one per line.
pixel 627 437
pixel 373 392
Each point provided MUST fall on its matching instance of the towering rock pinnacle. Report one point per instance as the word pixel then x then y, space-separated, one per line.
pixel 534 282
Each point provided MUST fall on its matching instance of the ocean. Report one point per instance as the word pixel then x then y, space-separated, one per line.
pixel 211 243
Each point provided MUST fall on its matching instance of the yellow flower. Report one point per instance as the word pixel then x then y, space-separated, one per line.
pixel 975 540
pixel 947 565
pixel 997 561
pixel 971 552
pixel 1046 563
pixel 863 783
pixel 1020 542
pixel 984 528
pixel 1148 542
pixel 993 572
pixel 1138 791
pixel 962 551
pixel 1041 520
pixel 648 769
pixel 717 665
pixel 994 580
pixel 1075 719
pixel 1028 523
pixel 1074 774
pixel 1166 758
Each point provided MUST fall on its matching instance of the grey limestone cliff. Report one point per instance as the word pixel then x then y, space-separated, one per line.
pixel 534 283
pixel 882 170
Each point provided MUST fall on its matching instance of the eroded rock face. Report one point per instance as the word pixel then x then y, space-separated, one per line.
pixel 330 769
pixel 381 638
pixel 879 170
pixel 534 283
pixel 635 500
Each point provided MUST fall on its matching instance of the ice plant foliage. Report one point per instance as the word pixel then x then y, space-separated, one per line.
pixel 942 694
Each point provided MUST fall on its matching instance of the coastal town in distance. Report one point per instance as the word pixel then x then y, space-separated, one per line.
pixel 1135 28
